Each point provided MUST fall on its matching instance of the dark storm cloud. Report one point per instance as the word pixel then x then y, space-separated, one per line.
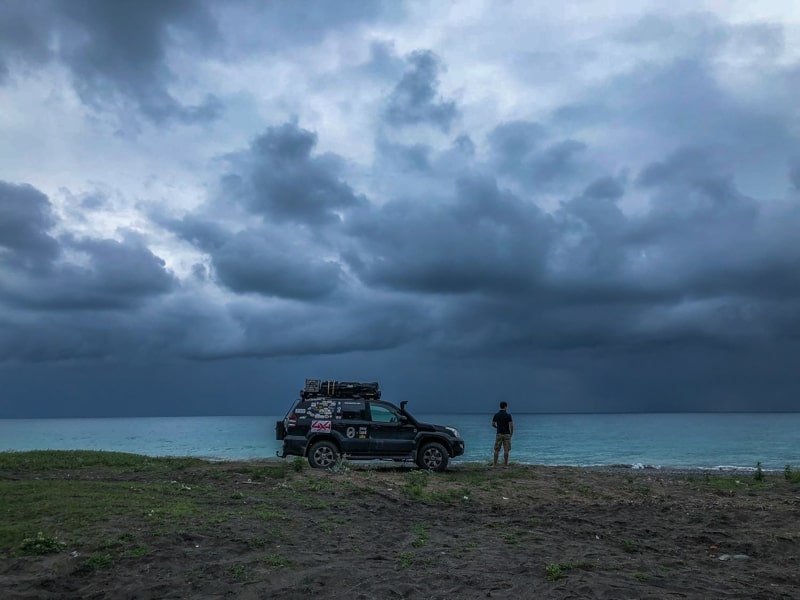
pixel 352 324
pixel 38 270
pixel 21 39
pixel 415 99
pixel 115 51
pixel 256 262
pixel 26 216
pixel 482 239
pixel 279 178
pixel 521 150
pixel 689 98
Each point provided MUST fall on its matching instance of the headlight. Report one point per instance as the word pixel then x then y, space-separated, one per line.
pixel 453 430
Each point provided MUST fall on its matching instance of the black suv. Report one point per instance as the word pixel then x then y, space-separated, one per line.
pixel 334 418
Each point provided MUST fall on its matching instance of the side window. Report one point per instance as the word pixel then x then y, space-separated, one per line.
pixel 382 414
pixel 353 410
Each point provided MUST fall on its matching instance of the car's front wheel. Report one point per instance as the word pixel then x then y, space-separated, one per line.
pixel 323 455
pixel 433 457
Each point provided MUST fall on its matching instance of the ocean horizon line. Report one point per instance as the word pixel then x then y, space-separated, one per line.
pixel 516 412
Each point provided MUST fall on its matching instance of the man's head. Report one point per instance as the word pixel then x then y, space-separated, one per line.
pixel 503 405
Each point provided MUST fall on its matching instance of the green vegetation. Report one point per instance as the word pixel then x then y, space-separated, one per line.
pixel 96 562
pixel 274 471
pixel 276 560
pixel 790 475
pixel 341 465
pixel 298 464
pixel 556 571
pixel 416 487
pixel 239 572
pixel 759 474
pixel 416 482
pixel 512 538
pixel 73 506
pixel 137 552
pixel 405 560
pixel 726 483
pixel 420 535
pixel 40 544
pixel 50 460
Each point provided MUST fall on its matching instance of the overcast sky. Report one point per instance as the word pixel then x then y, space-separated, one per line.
pixel 574 206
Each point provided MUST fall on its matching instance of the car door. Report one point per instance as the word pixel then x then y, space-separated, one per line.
pixel 390 433
pixel 351 421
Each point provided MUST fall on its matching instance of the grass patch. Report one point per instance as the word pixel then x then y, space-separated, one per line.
pixel 270 514
pixel 556 571
pixel 298 464
pixel 328 525
pixel 39 545
pixel 49 460
pixel 136 552
pixel 239 572
pixel 96 562
pixel 726 483
pixel 74 506
pixel 279 470
pixel 420 533
pixel 416 482
pixel 417 487
pixel 276 560
pixel 512 538
pixel 405 560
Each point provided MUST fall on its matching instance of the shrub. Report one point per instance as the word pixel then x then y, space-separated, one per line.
pixel 759 474
pixel 555 571
pixel 298 464
pixel 787 472
pixel 41 544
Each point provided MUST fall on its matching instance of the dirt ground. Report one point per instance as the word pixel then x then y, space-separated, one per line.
pixel 271 530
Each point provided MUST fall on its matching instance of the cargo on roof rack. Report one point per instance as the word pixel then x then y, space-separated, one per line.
pixel 315 388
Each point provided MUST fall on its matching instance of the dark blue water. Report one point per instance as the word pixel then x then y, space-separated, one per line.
pixel 669 440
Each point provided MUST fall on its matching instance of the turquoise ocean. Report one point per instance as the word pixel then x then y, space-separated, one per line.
pixel 693 440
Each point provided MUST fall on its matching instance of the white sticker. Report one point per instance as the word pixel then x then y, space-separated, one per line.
pixel 300 411
pixel 351 432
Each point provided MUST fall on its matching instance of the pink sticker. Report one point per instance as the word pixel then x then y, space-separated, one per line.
pixel 321 426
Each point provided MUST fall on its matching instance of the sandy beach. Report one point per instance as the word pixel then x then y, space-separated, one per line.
pixel 124 526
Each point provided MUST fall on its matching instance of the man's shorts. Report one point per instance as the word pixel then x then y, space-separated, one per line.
pixel 504 440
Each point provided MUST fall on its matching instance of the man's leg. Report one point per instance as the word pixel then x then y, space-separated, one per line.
pixel 497 442
pixel 506 449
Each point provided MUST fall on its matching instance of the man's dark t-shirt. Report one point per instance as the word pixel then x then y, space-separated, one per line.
pixel 503 419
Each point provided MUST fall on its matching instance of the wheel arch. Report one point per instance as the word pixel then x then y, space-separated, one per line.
pixel 322 437
pixel 424 439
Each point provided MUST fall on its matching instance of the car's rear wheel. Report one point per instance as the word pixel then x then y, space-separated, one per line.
pixel 323 455
pixel 432 457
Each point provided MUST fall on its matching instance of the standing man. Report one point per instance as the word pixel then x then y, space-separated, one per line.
pixel 504 425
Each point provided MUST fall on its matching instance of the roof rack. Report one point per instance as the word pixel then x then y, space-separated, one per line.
pixel 315 388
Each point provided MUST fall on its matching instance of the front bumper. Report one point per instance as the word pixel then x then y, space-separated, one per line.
pixel 458 447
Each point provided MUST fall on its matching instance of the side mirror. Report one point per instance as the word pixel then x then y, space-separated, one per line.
pixel 403 419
